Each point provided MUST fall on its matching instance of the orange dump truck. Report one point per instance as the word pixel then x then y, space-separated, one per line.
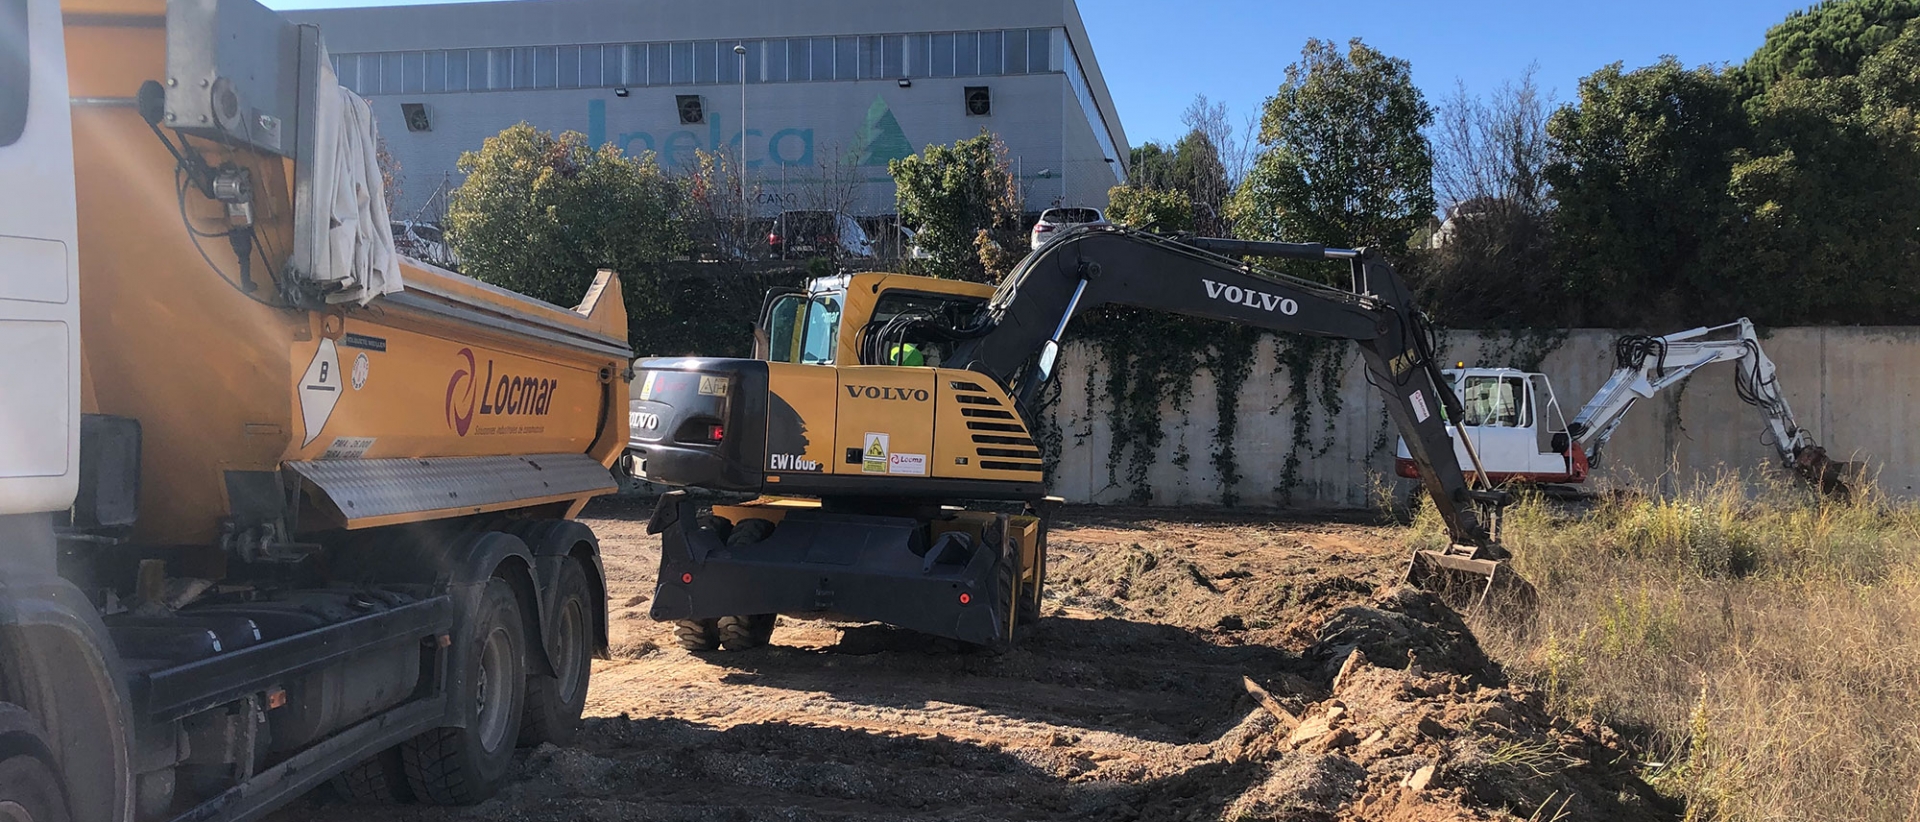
pixel 278 507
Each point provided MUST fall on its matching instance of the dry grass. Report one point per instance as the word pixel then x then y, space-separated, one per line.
pixel 1766 650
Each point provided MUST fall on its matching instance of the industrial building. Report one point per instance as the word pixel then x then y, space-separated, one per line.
pixel 832 89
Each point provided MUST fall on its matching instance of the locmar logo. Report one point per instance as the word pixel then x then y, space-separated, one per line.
pixel 512 395
pixel 457 399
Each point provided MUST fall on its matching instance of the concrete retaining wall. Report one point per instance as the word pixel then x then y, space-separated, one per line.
pixel 1854 388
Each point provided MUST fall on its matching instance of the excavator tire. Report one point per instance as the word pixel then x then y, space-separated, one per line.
pixel 697 634
pixel 744 632
pixel 1004 597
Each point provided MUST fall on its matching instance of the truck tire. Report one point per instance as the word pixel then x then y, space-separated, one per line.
pixel 30 791
pixel 463 766
pixel 554 703
pixel 745 632
pixel 697 634
pixel 379 780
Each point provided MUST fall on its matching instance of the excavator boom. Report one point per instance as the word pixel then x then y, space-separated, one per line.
pixel 1646 365
pixel 1196 277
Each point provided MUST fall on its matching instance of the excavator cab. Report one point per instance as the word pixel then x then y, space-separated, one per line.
pixel 1517 427
pixel 867 319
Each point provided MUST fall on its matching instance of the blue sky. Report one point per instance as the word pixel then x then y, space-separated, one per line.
pixel 1157 54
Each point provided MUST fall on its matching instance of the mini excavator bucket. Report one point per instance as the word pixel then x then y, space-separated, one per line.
pixel 1467 579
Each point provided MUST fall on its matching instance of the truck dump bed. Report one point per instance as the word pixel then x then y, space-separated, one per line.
pixel 448 396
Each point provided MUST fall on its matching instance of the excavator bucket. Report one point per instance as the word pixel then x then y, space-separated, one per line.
pixel 1469 582
pixel 1820 471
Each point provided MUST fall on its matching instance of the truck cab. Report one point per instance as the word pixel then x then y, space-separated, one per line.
pixel 1516 425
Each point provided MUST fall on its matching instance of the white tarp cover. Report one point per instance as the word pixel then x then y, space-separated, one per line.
pixel 355 260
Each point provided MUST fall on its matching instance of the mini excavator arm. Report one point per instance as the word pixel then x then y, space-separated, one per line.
pixel 1649 365
pixel 1095 266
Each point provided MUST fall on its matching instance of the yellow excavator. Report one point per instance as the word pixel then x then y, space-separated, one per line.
pixel 876 404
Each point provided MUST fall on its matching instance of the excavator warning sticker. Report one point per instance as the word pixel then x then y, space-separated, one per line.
pixel 873 458
pixel 713 386
pixel 1419 402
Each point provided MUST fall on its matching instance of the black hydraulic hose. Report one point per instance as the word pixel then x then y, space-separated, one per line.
pixel 1632 351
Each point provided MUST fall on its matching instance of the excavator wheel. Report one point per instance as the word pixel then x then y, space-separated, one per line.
pixel 741 633
pixel 1006 599
pixel 697 634
pixel 744 632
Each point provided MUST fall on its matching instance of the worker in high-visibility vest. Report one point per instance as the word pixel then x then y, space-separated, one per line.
pixel 906 354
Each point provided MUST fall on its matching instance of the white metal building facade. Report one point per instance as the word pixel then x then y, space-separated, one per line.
pixel 833 88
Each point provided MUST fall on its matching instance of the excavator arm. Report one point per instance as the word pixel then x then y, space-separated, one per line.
pixel 1645 366
pixel 1019 341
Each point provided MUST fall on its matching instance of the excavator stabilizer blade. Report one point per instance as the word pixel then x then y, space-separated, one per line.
pixel 1468 583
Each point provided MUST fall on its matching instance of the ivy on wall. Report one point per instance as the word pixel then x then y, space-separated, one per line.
pixel 1147 362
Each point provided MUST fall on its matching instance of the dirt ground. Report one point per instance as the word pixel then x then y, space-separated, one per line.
pixel 1129 700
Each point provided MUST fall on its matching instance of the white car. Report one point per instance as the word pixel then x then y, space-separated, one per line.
pixel 425 242
pixel 1055 220
pixel 800 234
pixel 910 245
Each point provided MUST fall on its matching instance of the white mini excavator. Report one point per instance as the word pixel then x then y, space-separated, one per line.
pixel 1515 423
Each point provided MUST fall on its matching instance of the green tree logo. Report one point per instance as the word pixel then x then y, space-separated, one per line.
pixel 880 139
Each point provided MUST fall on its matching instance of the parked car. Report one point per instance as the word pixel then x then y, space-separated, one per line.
pixel 425 242
pixel 910 246
pixel 817 234
pixel 1055 220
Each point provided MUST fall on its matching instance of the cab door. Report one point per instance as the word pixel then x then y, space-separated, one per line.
pixel 39 288
pixel 1499 421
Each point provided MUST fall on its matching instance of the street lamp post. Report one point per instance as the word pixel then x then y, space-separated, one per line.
pixel 741 50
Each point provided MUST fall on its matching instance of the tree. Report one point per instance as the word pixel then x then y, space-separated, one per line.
pixel 1138 207
pixel 1342 157
pixel 1489 263
pixel 1831 39
pixel 540 214
pixel 963 202
pixel 1644 159
pixel 1191 168
pixel 1827 199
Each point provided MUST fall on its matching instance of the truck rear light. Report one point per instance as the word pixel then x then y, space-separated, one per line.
pixel 716 432
pixel 773 239
pixel 1041 228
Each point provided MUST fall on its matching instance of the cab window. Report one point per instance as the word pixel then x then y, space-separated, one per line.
pixel 944 310
pixel 15 70
pixel 803 328
pixel 1496 401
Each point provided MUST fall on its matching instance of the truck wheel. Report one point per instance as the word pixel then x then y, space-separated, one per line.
pixel 30 791
pixel 554 703
pixel 380 779
pixel 462 766
pixel 748 631
pixel 697 634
